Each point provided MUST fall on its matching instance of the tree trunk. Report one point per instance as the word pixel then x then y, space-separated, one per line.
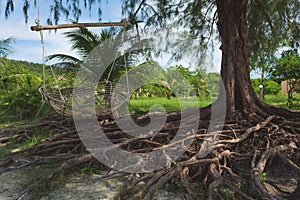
pixel 235 70
pixel 235 67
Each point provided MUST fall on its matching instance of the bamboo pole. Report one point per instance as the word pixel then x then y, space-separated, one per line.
pixel 76 25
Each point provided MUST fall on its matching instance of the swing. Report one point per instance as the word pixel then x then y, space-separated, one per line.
pixel 59 99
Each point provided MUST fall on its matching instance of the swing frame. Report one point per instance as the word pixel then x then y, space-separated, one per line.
pixel 78 25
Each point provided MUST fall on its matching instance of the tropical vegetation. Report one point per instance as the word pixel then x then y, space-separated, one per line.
pixel 237 141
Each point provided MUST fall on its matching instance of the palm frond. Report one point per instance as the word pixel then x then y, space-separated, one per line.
pixel 68 64
pixel 84 40
pixel 63 58
pixel 5 46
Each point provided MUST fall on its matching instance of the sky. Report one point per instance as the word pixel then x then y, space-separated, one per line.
pixel 27 43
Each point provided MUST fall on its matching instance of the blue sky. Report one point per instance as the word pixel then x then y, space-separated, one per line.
pixel 28 47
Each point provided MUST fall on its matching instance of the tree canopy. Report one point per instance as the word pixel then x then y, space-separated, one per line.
pixel 271 23
pixel 288 66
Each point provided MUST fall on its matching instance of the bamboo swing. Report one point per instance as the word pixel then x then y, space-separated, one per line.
pixel 60 99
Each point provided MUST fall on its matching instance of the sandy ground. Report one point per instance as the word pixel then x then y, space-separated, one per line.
pixel 79 187
pixel 90 187
pixel 10 184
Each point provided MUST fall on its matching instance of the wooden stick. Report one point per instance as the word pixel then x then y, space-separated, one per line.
pixel 75 25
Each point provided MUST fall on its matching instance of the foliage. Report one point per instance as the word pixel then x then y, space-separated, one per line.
pixel 23 103
pixel 213 81
pixel 8 67
pixel 270 86
pixel 19 94
pixel 154 78
pixel 195 79
pixel 272 24
pixel 264 177
pixel 288 68
pixel 87 170
pixel 57 8
pixel 6 46
pixel 83 42
pixel 176 81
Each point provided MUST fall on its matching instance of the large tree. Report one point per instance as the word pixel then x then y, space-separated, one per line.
pixel 278 22
pixel 271 23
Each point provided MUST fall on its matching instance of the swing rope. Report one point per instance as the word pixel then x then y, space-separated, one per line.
pixel 44 54
pixel 124 55
pixel 123 38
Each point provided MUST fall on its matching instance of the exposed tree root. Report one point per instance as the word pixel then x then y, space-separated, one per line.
pixel 243 152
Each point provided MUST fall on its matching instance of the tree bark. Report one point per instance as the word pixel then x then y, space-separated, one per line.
pixel 235 70
pixel 235 67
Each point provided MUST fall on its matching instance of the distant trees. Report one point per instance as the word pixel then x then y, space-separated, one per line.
pixel 288 68
pixel 270 86
pixel 176 81
pixel 19 95
pixel 195 78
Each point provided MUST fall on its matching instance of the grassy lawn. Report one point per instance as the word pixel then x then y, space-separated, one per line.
pixel 280 100
pixel 143 104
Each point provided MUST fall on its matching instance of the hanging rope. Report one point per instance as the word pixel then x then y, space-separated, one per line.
pixel 121 53
pixel 44 54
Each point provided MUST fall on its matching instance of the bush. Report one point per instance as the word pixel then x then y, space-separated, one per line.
pixel 270 86
pixel 19 105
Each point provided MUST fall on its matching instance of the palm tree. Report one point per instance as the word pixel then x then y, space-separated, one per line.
pixel 5 46
pixel 84 41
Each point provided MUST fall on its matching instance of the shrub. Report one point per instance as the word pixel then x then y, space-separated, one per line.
pixel 270 86
pixel 21 104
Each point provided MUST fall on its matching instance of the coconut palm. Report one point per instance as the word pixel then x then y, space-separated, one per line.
pixel 5 46
pixel 83 42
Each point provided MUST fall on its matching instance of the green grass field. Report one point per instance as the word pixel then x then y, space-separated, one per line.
pixel 280 100
pixel 143 104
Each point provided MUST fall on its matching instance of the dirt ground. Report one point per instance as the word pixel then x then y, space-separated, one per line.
pixel 78 187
